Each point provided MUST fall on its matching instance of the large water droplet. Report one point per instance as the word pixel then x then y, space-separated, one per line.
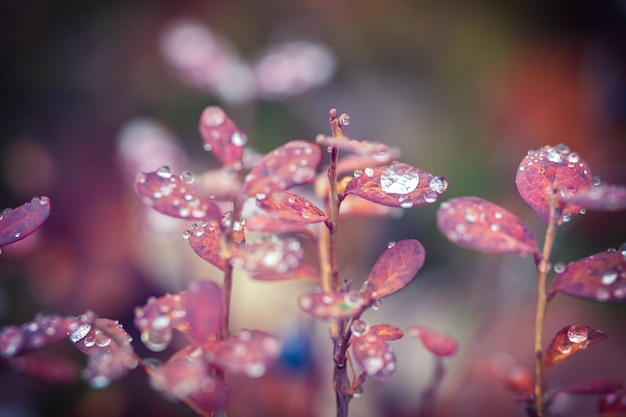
pixel 399 179
pixel 438 184
pixel 609 277
pixel 577 334
pixel 80 332
pixel 187 177
pixel 554 155
pixel 369 171
pixel 359 327
pixel 239 138
pixel 164 171
pixel 353 299
pixel 344 119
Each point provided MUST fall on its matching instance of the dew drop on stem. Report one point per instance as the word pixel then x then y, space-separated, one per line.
pixel 359 327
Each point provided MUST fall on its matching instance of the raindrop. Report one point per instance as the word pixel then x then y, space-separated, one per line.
pixel 521 168
pixel 582 211
pixel 89 341
pixel 99 382
pixel 438 184
pixel 567 218
pixel 80 332
pixel 156 341
pixel 559 267
pixel 562 148
pixel 344 119
pixel 187 177
pixel 596 180
pixel 577 334
pixel 372 365
pixel 498 215
pixel 369 171
pixel 377 304
pixel 391 244
pixel 213 116
pixel 359 327
pixel 554 155
pixel 430 196
pixel 239 139
pixel 160 323
pixel 164 171
pixel 353 299
pixel 358 172
pixel 405 202
pixel 398 179
pixel 609 278
pixel 187 234
pixel 573 158
pixel 494 227
pixel 622 249
pixel 207 147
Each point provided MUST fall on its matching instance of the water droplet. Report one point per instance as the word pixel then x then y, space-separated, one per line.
pixel 438 184
pixel 187 177
pixel 164 171
pixel 609 278
pixel 573 158
pixel 160 322
pixel 11 341
pixel 306 302
pixel 430 196
pixel 207 147
pixel 99 382
pixel 559 267
pixel 377 304
pixel 399 179
pixel 89 341
pixel 372 365
pixel 156 341
pixel 582 211
pixel 562 148
pixel 554 155
pixel 359 327
pixel 80 332
pixel 566 218
pixel 369 171
pixel 596 180
pixel 213 116
pixel 327 299
pixel 344 119
pixel 353 299
pixel 494 227
pixel 577 334
pixel 358 172
pixel 602 295
pixel 405 202
pixel 239 138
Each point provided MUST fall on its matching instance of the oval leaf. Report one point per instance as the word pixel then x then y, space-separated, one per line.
pixel 480 225
pixel 174 196
pixel 264 223
pixel 221 136
pixel 303 271
pixel 374 355
pixel 394 269
pixel 159 317
pixel 568 341
pixel 600 277
pixel 397 185
pixel 291 164
pixel 599 197
pixel 34 335
pixel 17 223
pixel 379 151
pixel 268 255
pixel 387 331
pixel 437 343
pixel 203 307
pixel 552 169
pixel 289 206
pixel 251 353
pixel 332 305
pixel 206 240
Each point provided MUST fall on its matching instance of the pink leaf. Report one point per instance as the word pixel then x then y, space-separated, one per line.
pixel 263 223
pixel 437 343
pixel 374 355
pixel 34 335
pixel 480 225
pixel 291 164
pixel 251 353
pixel 552 170
pixel 353 206
pixel 394 269
pixel 291 207
pixel 303 271
pixel 206 240
pixel 332 305
pixel 599 197
pixel 17 223
pixel 593 386
pixel 373 151
pixel 397 185
pixel 174 196
pixel 387 331
pixel 271 254
pixel 203 307
pixel 221 136
pixel 159 317
pixel 600 277
pixel 568 341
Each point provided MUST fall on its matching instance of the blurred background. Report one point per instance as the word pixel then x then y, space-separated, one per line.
pixel 93 92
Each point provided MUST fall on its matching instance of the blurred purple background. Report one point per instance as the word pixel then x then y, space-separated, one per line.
pixel 464 91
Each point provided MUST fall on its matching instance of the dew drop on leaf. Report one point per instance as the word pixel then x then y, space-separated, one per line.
pixel 397 179
pixel 359 327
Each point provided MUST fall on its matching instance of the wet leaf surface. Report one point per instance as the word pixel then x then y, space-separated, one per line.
pixel 175 196
pixel 437 343
pixel 552 169
pixel 264 223
pixel 47 368
pixel 250 353
pixel 203 307
pixel 483 226
pixel 374 355
pixel 221 135
pixel 22 221
pixel 158 317
pixel 387 331
pixel 34 335
pixel 206 239
pixel 394 269
pixel 599 197
pixel 330 305
pixel 291 164
pixel 271 254
pixel 600 277
pixel 291 207
pixel 397 185
pixel 568 341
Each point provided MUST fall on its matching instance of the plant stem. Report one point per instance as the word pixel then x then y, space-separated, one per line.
pixel 333 223
pixel 227 286
pixel 543 267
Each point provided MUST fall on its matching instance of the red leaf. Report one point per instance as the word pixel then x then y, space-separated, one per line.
pixel 379 151
pixel 289 206
pixel 354 206
pixel 268 255
pixel 221 135
pixel 303 271
pixel 593 386
pixel 387 331
pixel 187 375
pixel 263 223
pixel 221 184
pixel 437 343
pixel 17 223
pixel 568 341
pixel 599 197
pixel 159 317
pixel 397 185
pixel 51 369
pixel 600 277
pixel 552 169
pixel 332 305
pixel 374 355
pixel 174 196
pixel 249 353
pixel 203 307
pixel 34 335
pixel 480 225
pixel 612 404
pixel 291 164
pixel 394 269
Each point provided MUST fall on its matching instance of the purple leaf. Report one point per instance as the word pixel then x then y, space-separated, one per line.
pixel 17 223
pixel 251 353
pixel 221 136
pixel 374 355
pixel 159 317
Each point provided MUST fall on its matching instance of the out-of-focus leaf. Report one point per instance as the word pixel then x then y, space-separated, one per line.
pixel 159 317
pixel 480 225
pixel 175 196
pixel 221 136
pixel 552 169
pixel 264 223
pixel 17 223
pixel 568 341
pixel 374 355
pixel 203 307
pixel 387 331
pixel 593 386
pixel 251 353
pixel 303 271
pixel 379 151
pixel 51 369
pixel 394 269
pixel 353 206
pixel 600 277
pixel 291 164
pixel 291 207
pixel 397 185
pixel 221 184
pixel 599 197
pixel 332 305
pixel 271 254
pixel 437 343
pixel 34 335
pixel 206 239
pixel 612 404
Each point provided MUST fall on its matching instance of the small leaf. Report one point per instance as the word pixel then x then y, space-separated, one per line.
pixel 221 135
pixel 159 317
pixel 397 185
pixel 303 271
pixel 387 331
pixel 22 221
pixel 203 306
pixel 206 239
pixel 374 355
pixel 568 341
pixel 174 196
pixel 291 207
pixel 600 277
pixel 480 225
pixel 264 223
pixel 332 305
pixel 353 206
pixel 251 353
pixel 437 343
pixel 221 184
pixel 599 197
pixel 593 386
pixel 272 254
pixel 552 169
pixel 394 269
pixel 291 164
pixel 34 335
pixel 378 151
